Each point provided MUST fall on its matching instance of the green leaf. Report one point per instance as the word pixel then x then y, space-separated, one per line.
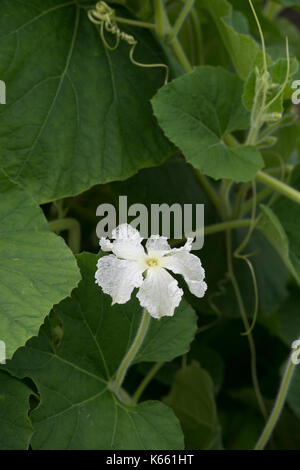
pixel 270 226
pixel 77 114
pixel 192 400
pixel 77 409
pixel 37 269
pixel 15 427
pixel 244 51
pixel 196 111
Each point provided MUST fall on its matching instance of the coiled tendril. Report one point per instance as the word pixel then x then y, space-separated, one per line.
pixel 104 16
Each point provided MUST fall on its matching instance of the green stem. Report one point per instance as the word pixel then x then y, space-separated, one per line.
pixel 116 384
pixel 160 15
pixel 147 379
pixel 278 186
pixel 281 397
pixel 73 228
pixel 163 27
pixel 180 20
pixel 246 324
pixel 181 55
pixel 141 24
pixel 225 197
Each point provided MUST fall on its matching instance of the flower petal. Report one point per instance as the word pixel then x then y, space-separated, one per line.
pixel 118 277
pixel 157 245
pixel 186 247
pixel 189 266
pixel 126 232
pixel 127 243
pixel 159 293
pixel 105 244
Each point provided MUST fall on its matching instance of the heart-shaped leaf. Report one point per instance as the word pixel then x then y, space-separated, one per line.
pixel 196 111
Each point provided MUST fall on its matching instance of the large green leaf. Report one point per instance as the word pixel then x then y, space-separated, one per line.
pixel 196 111
pixel 244 51
pixel 37 269
pixel 77 114
pixel 191 398
pixel 77 409
pixel 15 427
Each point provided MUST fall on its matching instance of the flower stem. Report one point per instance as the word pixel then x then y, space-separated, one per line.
pixel 283 390
pixel 278 186
pixel 131 353
pixel 147 379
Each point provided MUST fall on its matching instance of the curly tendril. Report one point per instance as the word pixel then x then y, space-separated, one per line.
pixel 104 16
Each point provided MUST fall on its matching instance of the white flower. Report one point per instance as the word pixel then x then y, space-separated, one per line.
pixel 131 266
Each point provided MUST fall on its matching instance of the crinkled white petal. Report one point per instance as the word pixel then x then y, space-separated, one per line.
pixel 105 244
pixel 159 293
pixel 126 232
pixel 186 247
pixel 128 249
pixel 127 243
pixel 189 266
pixel 157 245
pixel 118 277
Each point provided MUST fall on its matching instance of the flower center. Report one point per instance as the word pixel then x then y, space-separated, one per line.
pixel 152 262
